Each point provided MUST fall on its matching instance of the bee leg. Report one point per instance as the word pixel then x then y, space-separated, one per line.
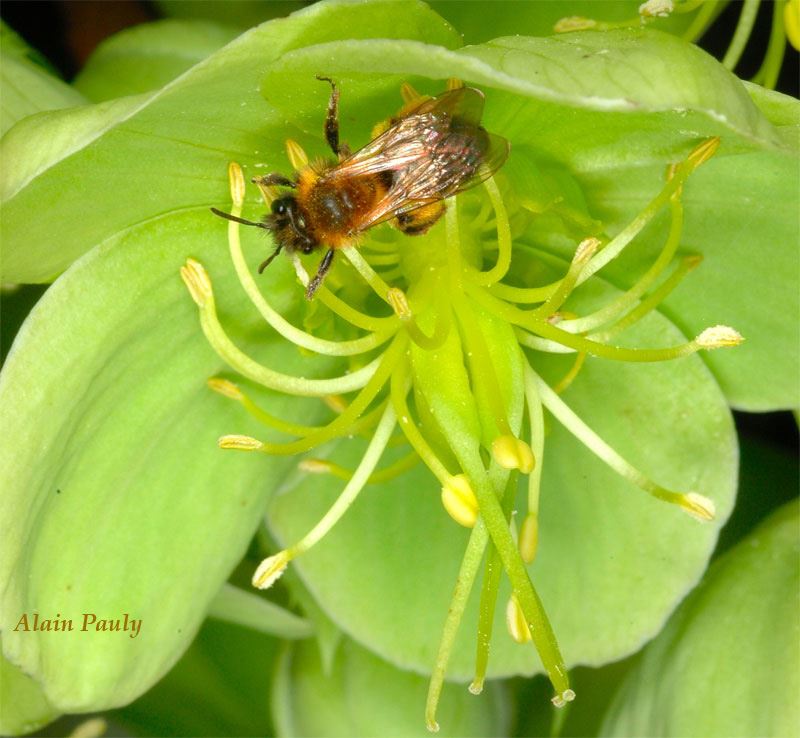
pixel 273 180
pixel 420 220
pixel 332 118
pixel 264 264
pixel 322 270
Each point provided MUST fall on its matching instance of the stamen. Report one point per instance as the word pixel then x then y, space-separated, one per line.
pixel 459 500
pixel 344 424
pixel 583 253
pixel 718 336
pixel 744 27
pixel 341 308
pixel 627 299
pixel 297 157
pixel 515 621
pixel 569 377
pixel 240 443
pixel 367 272
pixel 529 533
pixel 408 93
pixel 653 300
pixel 268 568
pixel 697 156
pixel 561 699
pixel 694 504
pixel 500 269
pixel 399 390
pixel 323 466
pixel 512 453
pixel 200 288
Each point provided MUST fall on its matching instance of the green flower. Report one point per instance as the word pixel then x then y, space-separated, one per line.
pixel 120 499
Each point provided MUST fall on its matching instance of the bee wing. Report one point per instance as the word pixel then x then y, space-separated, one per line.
pixel 429 180
pixel 409 139
pixel 464 103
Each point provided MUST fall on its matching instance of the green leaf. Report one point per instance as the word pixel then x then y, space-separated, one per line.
pixel 726 664
pixel 131 160
pixel 366 696
pixel 148 56
pixel 26 85
pixel 613 562
pixel 510 17
pixel 25 707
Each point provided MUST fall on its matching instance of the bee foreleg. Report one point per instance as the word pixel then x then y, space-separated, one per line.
pixel 332 118
pixel 273 180
pixel 264 264
pixel 322 270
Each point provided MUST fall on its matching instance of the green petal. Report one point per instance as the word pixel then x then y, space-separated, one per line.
pixel 366 696
pixel 612 561
pixel 27 86
pixel 121 499
pixel 25 707
pixel 148 56
pixel 727 663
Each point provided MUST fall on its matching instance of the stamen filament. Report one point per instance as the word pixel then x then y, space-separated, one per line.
pixel 582 255
pixel 652 301
pixel 323 466
pixel 768 73
pixel 536 418
pixel 244 365
pixel 545 330
pixel 524 295
pixel 399 390
pixel 343 424
pixel 500 269
pixel 620 304
pixel 696 157
pixel 367 272
pixel 341 308
pixel 744 27
pixel 488 601
pixel 696 505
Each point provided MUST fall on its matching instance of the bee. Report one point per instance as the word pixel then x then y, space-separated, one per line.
pixel 432 149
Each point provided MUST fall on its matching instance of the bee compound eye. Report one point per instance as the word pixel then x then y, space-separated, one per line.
pixel 279 207
pixel 308 248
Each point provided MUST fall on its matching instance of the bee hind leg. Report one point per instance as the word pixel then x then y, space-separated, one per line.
pixel 322 270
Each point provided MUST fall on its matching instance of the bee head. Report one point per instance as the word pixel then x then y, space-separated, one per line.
pixel 287 221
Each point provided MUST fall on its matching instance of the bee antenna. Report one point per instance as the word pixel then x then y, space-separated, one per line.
pixel 236 219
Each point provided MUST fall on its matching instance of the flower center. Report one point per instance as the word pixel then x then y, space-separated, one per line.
pixel 449 363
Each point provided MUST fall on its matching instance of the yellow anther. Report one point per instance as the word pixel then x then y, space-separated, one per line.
pixel 196 279
pixel 561 699
pixel 718 336
pixel 698 506
pixel 459 500
pixel 529 537
pixel 454 83
pixel 693 261
pixel 240 443
pixel 408 93
pixel 226 388
pixel 315 466
pixel 574 23
pixel 399 303
pixel 515 622
pixel 511 453
pixel 704 151
pixel 586 250
pixel 297 157
pixel 270 570
pixel 236 181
